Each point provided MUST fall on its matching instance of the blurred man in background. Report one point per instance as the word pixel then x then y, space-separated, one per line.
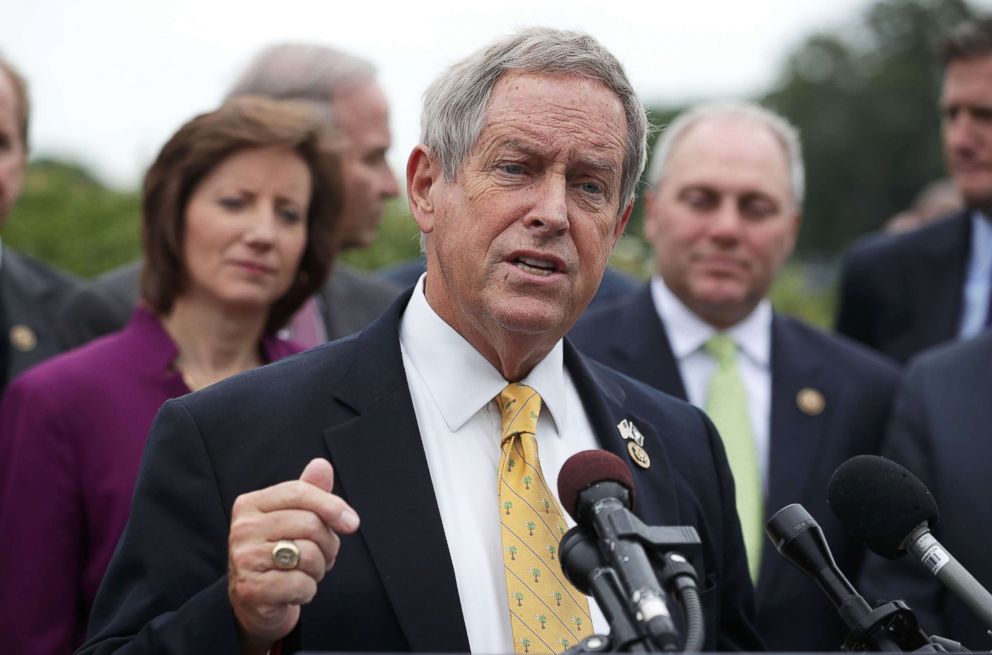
pixel 906 293
pixel 30 292
pixel 791 403
pixel 345 86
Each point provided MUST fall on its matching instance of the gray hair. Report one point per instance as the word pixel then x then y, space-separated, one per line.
pixel 786 134
pixel 301 71
pixel 455 104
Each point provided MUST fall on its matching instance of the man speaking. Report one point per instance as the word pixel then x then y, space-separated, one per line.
pixel 430 442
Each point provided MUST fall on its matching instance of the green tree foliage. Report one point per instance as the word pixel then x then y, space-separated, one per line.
pixel 67 218
pixel 865 100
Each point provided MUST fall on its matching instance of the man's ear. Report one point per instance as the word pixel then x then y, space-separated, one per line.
pixel 422 174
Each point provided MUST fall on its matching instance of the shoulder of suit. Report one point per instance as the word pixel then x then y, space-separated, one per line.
pixel 953 358
pixel 637 392
pixel 883 249
pixel 833 350
pixel 345 280
pixel 28 273
pixel 591 324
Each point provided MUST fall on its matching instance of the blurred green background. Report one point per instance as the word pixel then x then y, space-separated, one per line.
pixel 863 94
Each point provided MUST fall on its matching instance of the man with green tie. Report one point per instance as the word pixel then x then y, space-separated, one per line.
pixel 791 403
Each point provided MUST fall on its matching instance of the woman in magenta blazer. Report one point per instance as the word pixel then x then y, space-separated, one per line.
pixel 239 211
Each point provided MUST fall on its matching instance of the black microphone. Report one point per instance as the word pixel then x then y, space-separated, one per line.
pixel 596 489
pixel 799 539
pixel 891 511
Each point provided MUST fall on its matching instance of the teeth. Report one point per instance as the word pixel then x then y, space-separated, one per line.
pixel 535 266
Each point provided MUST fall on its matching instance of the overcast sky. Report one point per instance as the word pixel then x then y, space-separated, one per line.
pixel 111 80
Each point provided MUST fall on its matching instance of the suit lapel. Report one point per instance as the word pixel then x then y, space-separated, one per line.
pixel 382 470
pixel 641 344
pixel 797 438
pixel 605 405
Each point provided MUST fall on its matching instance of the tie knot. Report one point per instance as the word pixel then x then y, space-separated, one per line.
pixel 723 349
pixel 519 406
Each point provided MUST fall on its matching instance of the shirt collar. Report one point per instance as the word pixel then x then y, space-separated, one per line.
pixel 981 236
pixel 687 332
pixel 458 378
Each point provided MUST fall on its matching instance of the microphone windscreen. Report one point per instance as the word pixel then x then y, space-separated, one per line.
pixel 586 468
pixel 881 502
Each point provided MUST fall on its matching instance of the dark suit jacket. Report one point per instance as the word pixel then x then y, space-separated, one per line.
pixel 940 431
pixel 857 387
pixel 392 587
pixel 348 301
pixel 32 295
pixel 900 294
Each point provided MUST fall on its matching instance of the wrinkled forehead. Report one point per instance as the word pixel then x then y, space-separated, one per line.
pixel 546 112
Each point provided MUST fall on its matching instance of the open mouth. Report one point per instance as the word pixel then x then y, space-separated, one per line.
pixel 535 266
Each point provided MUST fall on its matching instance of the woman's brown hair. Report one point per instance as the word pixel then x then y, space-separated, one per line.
pixel 196 149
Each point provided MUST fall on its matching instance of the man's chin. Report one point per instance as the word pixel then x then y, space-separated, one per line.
pixel 532 317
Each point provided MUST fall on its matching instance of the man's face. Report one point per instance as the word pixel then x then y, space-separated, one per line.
pixel 966 107
pixel 517 243
pixel 362 115
pixel 722 220
pixel 12 154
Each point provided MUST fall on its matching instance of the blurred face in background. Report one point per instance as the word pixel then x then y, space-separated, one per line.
pixel 723 220
pixel 362 115
pixel 246 229
pixel 966 109
pixel 13 157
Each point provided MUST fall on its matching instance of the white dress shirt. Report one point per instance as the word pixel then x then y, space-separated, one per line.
pixel 453 389
pixel 687 333
pixel 978 277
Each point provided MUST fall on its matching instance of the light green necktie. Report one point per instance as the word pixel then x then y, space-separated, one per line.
pixel 726 405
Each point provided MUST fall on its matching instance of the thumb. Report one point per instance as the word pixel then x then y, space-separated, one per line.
pixel 319 473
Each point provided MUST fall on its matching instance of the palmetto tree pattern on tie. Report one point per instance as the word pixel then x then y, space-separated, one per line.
pixel 547 614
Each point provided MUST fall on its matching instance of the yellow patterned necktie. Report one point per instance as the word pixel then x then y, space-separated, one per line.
pixel 726 405
pixel 547 614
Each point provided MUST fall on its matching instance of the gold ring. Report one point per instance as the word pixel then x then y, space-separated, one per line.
pixel 285 554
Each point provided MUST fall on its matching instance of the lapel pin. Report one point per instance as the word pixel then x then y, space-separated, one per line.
pixel 810 401
pixel 635 443
pixel 638 454
pixel 23 338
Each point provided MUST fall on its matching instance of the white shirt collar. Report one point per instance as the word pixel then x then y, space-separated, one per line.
pixel 981 233
pixel 687 332
pixel 459 379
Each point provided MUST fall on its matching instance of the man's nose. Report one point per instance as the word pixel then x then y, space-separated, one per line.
pixel 550 210
pixel 959 131
pixel 726 220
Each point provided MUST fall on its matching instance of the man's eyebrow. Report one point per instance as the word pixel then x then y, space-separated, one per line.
pixel 527 148
pixel 598 164
pixel 517 145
